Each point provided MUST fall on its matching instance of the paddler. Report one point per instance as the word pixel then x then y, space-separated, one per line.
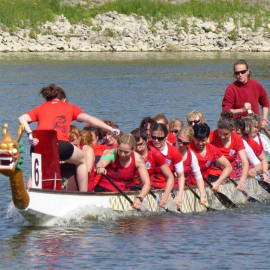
pixel 120 165
pixel 245 94
pixel 56 113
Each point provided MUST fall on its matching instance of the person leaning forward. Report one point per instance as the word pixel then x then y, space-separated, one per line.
pixel 245 94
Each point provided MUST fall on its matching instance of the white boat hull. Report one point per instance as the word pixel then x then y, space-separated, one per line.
pixel 48 204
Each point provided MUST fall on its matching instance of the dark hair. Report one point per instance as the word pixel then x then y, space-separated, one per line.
pixel 139 133
pixel 226 120
pixel 201 131
pixel 52 91
pixel 239 124
pixel 94 130
pixel 147 120
pixel 159 127
pixel 241 62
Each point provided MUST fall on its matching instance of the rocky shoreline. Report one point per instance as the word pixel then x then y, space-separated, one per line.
pixel 111 32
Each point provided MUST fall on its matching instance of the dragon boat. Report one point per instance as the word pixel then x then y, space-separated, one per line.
pixel 48 199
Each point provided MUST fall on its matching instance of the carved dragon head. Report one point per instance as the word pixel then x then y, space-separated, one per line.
pixel 10 150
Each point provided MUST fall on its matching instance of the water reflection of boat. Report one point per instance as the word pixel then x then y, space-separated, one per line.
pixel 46 200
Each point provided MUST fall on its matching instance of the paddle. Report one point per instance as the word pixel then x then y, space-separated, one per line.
pixel 249 198
pixel 158 200
pixel 199 198
pixel 154 195
pixel 120 190
pixel 174 197
pixel 263 184
pixel 221 197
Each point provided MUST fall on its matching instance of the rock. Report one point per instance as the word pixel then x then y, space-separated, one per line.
pixel 229 26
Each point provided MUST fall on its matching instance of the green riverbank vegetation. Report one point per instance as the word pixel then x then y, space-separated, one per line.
pixel 32 13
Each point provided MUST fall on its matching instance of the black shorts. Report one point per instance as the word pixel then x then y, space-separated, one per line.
pixel 66 150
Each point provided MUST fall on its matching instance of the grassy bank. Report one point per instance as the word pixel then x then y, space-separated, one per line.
pixel 30 13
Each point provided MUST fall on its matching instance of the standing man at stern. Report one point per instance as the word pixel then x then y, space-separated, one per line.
pixel 244 95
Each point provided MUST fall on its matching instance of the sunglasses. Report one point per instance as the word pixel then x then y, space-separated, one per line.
pixel 175 131
pixel 194 121
pixel 240 72
pixel 184 143
pixel 158 138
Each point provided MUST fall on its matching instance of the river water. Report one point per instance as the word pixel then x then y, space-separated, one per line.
pixel 125 87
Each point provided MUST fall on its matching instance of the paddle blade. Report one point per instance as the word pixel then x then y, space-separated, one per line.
pixel 225 200
pixel 264 185
pixel 210 209
pixel 251 199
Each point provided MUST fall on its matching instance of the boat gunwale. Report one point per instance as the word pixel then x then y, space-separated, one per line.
pixel 88 193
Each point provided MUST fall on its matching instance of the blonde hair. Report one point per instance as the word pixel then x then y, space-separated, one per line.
pixel 196 113
pixel 187 132
pixel 128 139
pixel 175 122
pixel 160 116
pixel 249 125
pixel 255 119
pixel 86 137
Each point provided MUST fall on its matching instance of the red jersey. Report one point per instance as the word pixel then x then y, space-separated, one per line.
pixel 99 149
pixel 189 176
pixel 206 162
pixel 120 175
pixel 56 115
pixel 257 148
pixel 231 152
pixel 153 161
pixel 171 138
pixel 173 157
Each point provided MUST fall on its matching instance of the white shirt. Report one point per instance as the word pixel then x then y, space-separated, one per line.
pixel 265 143
pixel 252 158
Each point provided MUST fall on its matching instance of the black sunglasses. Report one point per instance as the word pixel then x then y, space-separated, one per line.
pixel 180 141
pixel 242 72
pixel 158 138
pixel 175 131
pixel 194 121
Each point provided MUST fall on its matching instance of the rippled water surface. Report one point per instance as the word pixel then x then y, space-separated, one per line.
pixel 125 87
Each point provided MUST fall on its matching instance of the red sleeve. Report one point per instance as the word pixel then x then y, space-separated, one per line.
pixel 238 142
pixel 263 99
pixel 76 111
pixel 228 99
pixel 176 155
pixel 33 114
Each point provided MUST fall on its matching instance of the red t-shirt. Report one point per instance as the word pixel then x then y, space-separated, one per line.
pixel 189 176
pixel 120 175
pixel 56 115
pixel 173 157
pixel 231 152
pixel 257 148
pixel 153 160
pixel 237 94
pixel 171 138
pixel 206 162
